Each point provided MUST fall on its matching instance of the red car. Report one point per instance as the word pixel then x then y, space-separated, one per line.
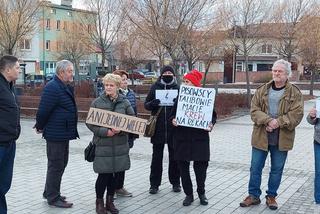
pixel 136 75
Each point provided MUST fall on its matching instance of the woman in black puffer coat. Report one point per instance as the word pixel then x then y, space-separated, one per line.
pixel 192 144
pixel 163 132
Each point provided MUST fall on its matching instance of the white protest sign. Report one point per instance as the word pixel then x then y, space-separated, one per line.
pixel 166 96
pixel 117 121
pixel 195 106
pixel 318 107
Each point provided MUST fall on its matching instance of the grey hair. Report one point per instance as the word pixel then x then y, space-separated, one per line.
pixel 112 78
pixel 286 65
pixel 62 66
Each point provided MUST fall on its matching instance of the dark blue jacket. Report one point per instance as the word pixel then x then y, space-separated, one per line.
pixel 9 112
pixel 57 114
pixel 131 96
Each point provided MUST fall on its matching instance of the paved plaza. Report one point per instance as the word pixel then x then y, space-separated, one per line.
pixel 226 183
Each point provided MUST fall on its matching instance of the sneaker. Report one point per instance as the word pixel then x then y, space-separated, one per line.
pixel 176 188
pixel 153 190
pixel 250 200
pixel 271 202
pixel 123 193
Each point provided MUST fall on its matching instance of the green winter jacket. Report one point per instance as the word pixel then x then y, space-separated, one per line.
pixel 112 153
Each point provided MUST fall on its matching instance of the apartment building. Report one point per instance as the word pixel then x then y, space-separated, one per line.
pixel 59 29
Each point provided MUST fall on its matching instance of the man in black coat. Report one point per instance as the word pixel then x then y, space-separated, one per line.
pixel 57 119
pixel 163 132
pixel 9 124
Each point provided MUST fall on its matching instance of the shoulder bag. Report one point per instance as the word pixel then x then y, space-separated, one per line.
pixel 89 152
pixel 151 124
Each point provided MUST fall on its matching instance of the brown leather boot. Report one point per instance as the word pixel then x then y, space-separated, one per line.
pixel 110 206
pixel 100 209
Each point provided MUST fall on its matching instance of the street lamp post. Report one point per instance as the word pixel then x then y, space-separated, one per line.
pixel 234 55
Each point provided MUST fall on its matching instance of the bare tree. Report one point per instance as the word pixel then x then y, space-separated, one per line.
pixel 17 20
pixel 289 16
pixel 75 45
pixel 129 47
pixel 245 18
pixel 198 33
pixel 152 46
pixel 166 20
pixel 310 46
pixel 211 51
pixel 108 20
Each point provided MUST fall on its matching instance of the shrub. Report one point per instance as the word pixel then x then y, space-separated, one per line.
pixel 85 89
pixel 226 104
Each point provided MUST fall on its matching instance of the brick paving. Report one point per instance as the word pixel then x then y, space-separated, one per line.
pixel 226 183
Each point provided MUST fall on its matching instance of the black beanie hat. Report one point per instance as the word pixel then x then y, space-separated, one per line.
pixel 167 68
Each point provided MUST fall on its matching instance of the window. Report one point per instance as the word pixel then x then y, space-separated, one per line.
pixel 266 48
pixel 65 26
pixel 89 28
pixel 25 44
pixel 48 45
pixel 58 24
pixel 48 24
pixel 53 11
pixel 60 45
pixel 239 66
pixel 50 68
pixel 200 66
pixel 69 13
pixel 264 67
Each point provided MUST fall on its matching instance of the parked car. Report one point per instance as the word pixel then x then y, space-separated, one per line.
pixel 142 70
pixel 34 79
pixel 151 75
pixel 136 75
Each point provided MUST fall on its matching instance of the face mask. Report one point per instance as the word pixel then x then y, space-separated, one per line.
pixel 167 78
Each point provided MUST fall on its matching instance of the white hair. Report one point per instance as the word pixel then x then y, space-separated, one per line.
pixel 286 65
pixel 62 66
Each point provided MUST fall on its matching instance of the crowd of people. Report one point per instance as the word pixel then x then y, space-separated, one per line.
pixel 276 110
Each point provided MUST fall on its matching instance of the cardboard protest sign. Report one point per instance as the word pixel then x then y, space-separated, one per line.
pixel 115 120
pixel 166 96
pixel 195 106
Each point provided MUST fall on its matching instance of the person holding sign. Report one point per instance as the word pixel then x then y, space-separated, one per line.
pixel 192 144
pixel 276 110
pixel 163 132
pixel 112 149
pixel 130 95
pixel 314 120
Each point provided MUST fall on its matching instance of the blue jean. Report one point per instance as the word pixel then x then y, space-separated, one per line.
pixel 258 158
pixel 317 172
pixel 7 154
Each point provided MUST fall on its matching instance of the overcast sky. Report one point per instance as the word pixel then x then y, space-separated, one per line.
pixel 75 3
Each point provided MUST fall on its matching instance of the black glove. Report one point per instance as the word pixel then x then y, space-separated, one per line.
pixel 155 103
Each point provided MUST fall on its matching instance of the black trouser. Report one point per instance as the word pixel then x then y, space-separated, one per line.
pixel 120 179
pixel 57 154
pixel 156 166
pixel 200 170
pixel 106 181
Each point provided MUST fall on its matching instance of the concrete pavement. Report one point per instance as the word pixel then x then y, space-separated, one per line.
pixel 226 184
